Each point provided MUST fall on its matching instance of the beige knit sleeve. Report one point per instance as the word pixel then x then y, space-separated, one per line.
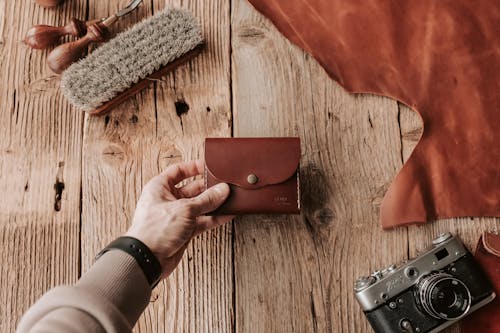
pixel 110 297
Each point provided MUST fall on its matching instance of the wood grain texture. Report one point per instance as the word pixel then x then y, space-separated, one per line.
pixel 296 273
pixel 164 124
pixel 40 166
pixel 269 273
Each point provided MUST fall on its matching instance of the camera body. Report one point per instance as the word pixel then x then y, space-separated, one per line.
pixel 427 293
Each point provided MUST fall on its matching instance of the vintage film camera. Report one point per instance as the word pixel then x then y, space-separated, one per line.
pixel 425 294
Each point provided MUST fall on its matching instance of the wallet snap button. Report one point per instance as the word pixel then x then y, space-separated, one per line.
pixel 252 179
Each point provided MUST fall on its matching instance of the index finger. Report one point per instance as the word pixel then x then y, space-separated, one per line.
pixel 176 173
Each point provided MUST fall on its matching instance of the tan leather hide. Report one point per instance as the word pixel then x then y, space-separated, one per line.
pixel 441 58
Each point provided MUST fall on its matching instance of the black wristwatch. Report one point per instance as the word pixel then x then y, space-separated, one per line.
pixel 142 254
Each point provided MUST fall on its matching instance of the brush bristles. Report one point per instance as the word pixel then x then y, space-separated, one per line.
pixel 130 57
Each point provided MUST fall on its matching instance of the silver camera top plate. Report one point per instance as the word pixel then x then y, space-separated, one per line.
pixel 375 290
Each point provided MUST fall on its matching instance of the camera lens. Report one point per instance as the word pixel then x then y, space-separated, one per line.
pixel 443 296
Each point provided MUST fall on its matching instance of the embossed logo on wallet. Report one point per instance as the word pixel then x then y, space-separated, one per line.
pixel 282 200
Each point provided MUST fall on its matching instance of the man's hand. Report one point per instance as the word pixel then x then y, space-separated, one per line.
pixel 167 217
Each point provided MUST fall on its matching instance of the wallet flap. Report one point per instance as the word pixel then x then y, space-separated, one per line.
pixel 252 163
pixel 491 243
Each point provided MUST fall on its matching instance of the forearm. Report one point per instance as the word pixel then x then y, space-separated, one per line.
pixel 110 297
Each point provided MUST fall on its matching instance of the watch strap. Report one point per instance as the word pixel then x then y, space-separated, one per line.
pixel 142 254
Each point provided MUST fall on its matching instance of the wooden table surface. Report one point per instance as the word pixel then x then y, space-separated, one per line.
pixel 70 182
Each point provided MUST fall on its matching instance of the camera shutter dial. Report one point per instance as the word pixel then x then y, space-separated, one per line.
pixel 441 238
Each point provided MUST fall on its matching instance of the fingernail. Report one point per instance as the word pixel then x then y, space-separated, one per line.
pixel 221 188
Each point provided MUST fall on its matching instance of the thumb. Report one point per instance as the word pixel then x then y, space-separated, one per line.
pixel 210 199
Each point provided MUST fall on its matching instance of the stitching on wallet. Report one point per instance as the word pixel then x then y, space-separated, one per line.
pixel 206 177
pixel 298 186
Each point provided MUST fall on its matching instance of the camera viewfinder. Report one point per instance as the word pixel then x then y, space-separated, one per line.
pixel 441 254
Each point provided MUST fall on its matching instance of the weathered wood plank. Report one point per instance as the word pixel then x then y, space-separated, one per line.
pixel 297 273
pixel 291 273
pixel 124 149
pixel 40 166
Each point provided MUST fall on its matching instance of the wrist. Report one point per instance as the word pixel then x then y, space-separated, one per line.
pixel 145 236
pixel 143 255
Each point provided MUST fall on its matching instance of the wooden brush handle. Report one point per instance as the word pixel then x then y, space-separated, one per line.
pixel 66 54
pixel 48 3
pixel 44 36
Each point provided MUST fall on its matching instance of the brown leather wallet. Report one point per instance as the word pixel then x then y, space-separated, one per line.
pixel 487 319
pixel 263 174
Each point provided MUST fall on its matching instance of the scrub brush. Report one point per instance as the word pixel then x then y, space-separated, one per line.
pixel 129 62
